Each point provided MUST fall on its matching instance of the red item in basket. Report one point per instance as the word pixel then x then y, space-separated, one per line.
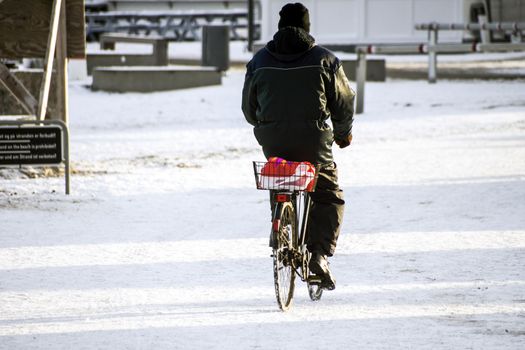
pixel 280 174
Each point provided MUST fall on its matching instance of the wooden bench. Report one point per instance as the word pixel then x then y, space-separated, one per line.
pixel 160 44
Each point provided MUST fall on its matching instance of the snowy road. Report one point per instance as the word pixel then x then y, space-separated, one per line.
pixel 163 242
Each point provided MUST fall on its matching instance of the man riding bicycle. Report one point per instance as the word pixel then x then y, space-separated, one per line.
pixel 292 87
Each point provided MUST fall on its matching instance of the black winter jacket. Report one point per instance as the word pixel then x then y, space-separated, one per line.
pixel 292 87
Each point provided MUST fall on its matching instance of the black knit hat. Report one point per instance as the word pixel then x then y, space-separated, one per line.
pixel 294 15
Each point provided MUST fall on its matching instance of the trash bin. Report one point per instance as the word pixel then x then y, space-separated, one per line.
pixel 216 46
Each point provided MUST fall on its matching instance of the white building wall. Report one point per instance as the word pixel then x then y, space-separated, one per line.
pixel 369 21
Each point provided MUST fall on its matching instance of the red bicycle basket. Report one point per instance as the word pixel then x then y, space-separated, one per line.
pixel 280 174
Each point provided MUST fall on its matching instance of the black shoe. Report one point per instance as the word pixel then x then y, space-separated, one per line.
pixel 319 266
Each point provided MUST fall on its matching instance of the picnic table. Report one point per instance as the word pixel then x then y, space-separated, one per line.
pixel 160 44
pixel 172 25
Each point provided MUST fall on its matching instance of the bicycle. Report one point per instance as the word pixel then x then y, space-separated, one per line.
pixel 291 202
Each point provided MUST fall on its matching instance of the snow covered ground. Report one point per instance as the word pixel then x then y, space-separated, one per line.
pixel 163 242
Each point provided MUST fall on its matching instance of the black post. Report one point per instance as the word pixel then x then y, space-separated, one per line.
pixel 250 25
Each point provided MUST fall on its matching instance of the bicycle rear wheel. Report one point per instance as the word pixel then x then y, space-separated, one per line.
pixel 283 255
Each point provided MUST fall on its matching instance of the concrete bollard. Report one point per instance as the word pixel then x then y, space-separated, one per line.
pixel 432 55
pixel 216 46
pixel 360 81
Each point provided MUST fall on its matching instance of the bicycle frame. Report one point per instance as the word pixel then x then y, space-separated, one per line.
pixel 290 185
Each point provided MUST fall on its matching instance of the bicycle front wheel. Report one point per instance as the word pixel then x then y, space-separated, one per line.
pixel 283 255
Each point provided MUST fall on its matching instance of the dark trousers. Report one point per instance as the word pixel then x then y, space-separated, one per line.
pixel 326 213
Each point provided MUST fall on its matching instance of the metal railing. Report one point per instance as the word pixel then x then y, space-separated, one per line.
pixel 432 48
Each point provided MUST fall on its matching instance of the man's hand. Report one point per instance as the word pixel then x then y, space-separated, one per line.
pixel 345 142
